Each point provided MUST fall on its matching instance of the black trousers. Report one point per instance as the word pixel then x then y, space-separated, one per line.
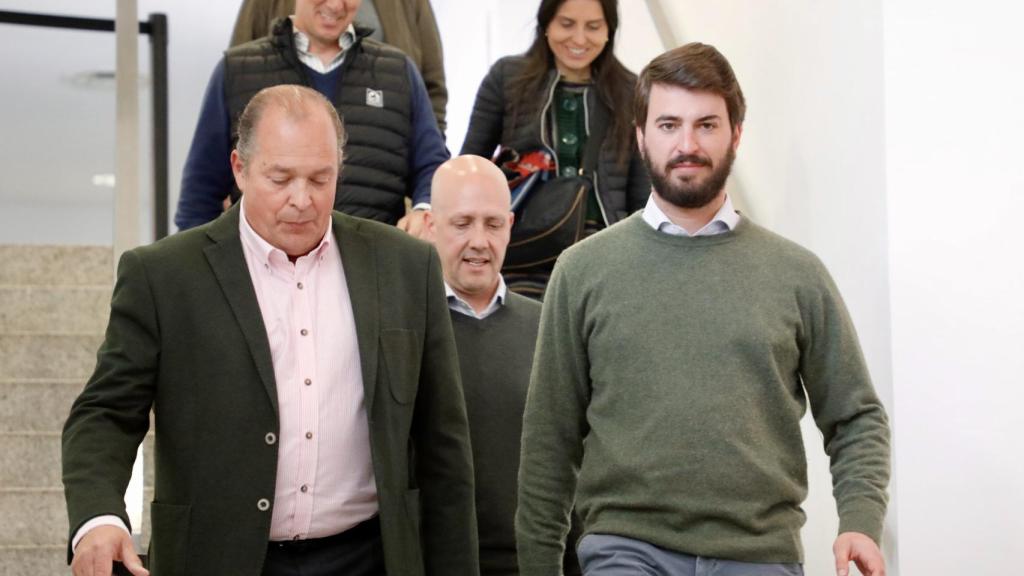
pixel 357 551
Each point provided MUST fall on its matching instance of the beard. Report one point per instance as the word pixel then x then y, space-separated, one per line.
pixel 690 193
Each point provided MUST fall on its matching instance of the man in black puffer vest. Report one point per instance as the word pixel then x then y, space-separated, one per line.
pixel 393 146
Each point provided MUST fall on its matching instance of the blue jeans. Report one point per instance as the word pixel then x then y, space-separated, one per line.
pixel 608 555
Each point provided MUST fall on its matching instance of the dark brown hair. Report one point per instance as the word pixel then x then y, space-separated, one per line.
pixel 611 78
pixel 694 66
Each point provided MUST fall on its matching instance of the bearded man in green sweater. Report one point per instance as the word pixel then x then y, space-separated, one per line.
pixel 495 331
pixel 677 353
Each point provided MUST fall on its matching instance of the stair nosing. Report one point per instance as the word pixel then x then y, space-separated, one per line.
pixel 94 287
pixel 30 489
pixel 7 547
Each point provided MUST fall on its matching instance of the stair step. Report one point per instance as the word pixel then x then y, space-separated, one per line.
pixel 48 560
pixel 40 356
pixel 54 310
pixel 38 517
pixel 37 405
pixel 33 460
pixel 56 265
pixel 33 517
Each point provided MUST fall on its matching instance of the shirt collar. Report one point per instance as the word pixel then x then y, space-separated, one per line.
pixel 724 220
pixel 345 41
pixel 264 251
pixel 462 307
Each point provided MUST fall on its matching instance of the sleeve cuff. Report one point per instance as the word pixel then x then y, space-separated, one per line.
pixel 106 520
pixel 865 522
pixel 422 206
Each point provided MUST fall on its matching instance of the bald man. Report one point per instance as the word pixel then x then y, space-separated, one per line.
pixel 495 331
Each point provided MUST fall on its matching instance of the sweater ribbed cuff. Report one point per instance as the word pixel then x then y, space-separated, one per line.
pixel 866 519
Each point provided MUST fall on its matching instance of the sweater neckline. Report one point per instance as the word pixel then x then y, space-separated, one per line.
pixel 645 229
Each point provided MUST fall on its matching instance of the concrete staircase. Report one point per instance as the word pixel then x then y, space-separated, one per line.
pixel 54 302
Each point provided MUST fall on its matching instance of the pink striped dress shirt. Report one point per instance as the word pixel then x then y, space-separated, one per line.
pixel 325 483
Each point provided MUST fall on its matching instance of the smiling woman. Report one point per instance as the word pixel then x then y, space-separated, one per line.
pixel 568 97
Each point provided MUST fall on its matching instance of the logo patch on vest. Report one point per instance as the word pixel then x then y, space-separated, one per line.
pixel 374 98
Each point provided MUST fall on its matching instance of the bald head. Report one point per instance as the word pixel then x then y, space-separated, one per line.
pixel 470 222
pixel 466 176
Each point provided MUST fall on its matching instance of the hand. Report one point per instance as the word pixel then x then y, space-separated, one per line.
pixel 100 547
pixel 414 224
pixel 860 549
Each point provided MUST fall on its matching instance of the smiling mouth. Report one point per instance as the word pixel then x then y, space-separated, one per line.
pixel 477 262
pixel 577 51
pixel 329 19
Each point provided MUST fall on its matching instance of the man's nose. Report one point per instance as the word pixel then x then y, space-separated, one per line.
pixel 478 236
pixel 687 142
pixel 301 194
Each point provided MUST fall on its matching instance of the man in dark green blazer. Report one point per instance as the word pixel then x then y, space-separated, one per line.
pixel 190 339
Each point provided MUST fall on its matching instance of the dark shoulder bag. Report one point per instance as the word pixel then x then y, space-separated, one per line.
pixel 551 213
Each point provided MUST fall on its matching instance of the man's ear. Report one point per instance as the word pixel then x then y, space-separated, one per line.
pixel 430 224
pixel 238 169
pixel 736 133
pixel 640 140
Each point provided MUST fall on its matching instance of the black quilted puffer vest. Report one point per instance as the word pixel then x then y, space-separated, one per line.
pixel 372 97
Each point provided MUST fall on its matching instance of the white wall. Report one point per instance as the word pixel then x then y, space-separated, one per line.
pixel 956 194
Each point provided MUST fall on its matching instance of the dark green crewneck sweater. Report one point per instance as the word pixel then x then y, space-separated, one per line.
pixel 667 393
pixel 495 356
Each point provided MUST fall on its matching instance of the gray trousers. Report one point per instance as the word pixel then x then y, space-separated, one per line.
pixel 608 555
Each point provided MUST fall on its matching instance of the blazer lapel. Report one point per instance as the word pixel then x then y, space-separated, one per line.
pixel 228 263
pixel 359 260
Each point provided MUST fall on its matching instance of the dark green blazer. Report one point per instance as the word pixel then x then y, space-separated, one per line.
pixel 186 339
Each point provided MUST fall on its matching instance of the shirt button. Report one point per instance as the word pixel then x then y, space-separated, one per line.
pixel 309 435
pixel 304 489
pixel 568 171
pixel 270 438
pixel 308 382
pixel 304 332
pixel 569 104
pixel 263 504
pixel 570 139
pixel 299 285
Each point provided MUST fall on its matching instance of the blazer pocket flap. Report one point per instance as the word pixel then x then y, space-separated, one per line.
pixel 168 548
pixel 402 350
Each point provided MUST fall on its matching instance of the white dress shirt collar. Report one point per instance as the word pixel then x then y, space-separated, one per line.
pixel 724 220
pixel 345 41
pixel 462 307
